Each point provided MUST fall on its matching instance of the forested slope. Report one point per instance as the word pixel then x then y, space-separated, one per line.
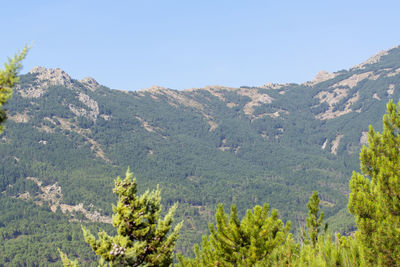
pixel 67 140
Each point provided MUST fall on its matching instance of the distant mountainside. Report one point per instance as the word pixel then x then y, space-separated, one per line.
pixel 67 140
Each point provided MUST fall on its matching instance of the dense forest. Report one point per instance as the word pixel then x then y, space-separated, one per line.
pixel 261 238
pixel 66 140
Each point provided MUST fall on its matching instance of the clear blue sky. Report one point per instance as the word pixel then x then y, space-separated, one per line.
pixel 132 45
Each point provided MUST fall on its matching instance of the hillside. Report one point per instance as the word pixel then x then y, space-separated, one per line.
pixel 67 140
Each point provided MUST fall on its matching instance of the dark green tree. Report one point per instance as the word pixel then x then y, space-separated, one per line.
pixel 240 243
pixel 8 79
pixel 375 193
pixel 143 238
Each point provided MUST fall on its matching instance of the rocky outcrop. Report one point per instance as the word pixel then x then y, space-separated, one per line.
pixel 364 138
pixel 393 72
pixel 324 144
pixel 330 114
pixel 20 117
pixel 52 196
pixel 273 86
pixel 335 144
pixel 340 91
pixel 52 76
pixel 353 80
pixel 372 60
pixel 321 77
pixel 91 104
pixel 44 79
pixel 90 83
pixel 390 91
pixel 176 98
pixel 256 98
pixel 149 128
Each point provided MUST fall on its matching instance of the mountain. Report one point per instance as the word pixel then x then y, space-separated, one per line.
pixel 66 140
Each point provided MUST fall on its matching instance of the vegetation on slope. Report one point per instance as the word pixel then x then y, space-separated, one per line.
pixel 244 146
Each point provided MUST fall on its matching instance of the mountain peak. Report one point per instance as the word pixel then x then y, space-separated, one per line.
pixel 154 89
pixel 374 59
pixel 322 76
pixel 53 76
pixel 90 83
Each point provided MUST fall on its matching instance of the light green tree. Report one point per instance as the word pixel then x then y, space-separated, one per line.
pixel 240 243
pixel 143 238
pixel 375 193
pixel 314 220
pixel 8 79
pixel 318 248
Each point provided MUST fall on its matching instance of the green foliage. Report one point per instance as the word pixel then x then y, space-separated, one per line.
pixel 375 193
pixel 341 251
pixel 143 238
pixel 67 262
pixel 245 160
pixel 8 78
pixel 240 243
pixel 318 249
pixel 314 220
pixel 30 235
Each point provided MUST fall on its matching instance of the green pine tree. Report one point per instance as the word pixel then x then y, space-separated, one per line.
pixel 143 238
pixel 240 243
pixel 314 220
pixel 67 262
pixel 375 193
pixel 318 249
pixel 8 79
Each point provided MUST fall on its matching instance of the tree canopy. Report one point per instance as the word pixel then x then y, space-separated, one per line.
pixel 143 238
pixel 375 192
pixel 8 79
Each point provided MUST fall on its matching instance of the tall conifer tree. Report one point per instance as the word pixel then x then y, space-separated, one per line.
pixel 375 193
pixel 143 238
pixel 240 243
pixel 314 220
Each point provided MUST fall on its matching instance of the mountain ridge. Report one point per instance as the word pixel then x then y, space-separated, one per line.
pixel 249 145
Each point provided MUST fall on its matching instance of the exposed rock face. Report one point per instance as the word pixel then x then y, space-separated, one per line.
pixel 90 83
pixel 94 146
pixel 45 78
pixel 149 128
pixel 273 86
pixel 93 106
pixel 355 79
pixel 338 91
pixel 80 112
pixel 90 103
pixel 322 76
pixel 393 73
pixel 372 60
pixel 324 144
pixel 364 138
pixel 335 144
pixel 332 98
pixel 20 118
pixel 375 96
pixel 390 91
pixel 52 195
pixel 176 98
pixel 256 98
pixel 52 76
pixel 330 114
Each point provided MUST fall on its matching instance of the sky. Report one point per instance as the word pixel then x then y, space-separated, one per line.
pixel 132 45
